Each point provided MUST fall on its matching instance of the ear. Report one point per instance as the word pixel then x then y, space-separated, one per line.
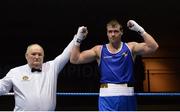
pixel 121 29
pixel 121 32
pixel 26 56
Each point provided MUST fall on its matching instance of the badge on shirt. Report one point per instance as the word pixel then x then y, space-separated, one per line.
pixel 25 78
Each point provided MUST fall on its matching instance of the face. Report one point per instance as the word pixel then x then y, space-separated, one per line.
pixel 114 33
pixel 35 56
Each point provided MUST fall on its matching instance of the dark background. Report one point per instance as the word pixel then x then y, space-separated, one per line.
pixel 53 23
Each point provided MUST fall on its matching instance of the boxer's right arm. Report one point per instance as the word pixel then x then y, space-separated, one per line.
pixel 86 56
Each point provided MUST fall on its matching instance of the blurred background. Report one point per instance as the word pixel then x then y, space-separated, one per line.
pixel 53 23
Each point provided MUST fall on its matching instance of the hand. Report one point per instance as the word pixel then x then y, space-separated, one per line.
pixel 132 25
pixel 82 32
pixel 81 35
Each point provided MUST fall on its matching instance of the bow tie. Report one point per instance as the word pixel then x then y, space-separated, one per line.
pixel 35 70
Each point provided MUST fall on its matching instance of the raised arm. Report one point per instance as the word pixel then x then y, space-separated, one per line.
pixel 86 56
pixel 61 60
pixel 148 46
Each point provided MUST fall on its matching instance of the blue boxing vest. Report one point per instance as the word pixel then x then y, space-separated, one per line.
pixel 118 67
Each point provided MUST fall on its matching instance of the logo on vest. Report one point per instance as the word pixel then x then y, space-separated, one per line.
pixel 124 54
pixel 107 57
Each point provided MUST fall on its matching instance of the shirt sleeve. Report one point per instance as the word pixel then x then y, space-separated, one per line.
pixel 6 83
pixel 61 60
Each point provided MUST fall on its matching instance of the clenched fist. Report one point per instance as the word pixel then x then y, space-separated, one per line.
pixel 132 25
pixel 81 35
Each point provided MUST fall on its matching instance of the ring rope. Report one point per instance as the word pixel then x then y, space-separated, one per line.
pixel 96 94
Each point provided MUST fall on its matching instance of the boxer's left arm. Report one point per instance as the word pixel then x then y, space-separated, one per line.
pixel 148 46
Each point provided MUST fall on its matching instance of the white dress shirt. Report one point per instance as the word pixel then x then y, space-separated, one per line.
pixel 35 90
